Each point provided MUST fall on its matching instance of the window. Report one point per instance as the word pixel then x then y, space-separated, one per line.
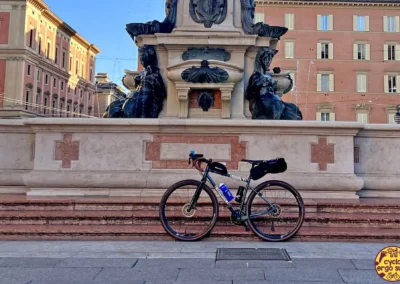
pixel 68 109
pixel 46 79
pixel 361 51
pixel 90 94
pixel 361 83
pixel 324 51
pixel 392 51
pixel 390 24
pixel 40 45
pixel 89 111
pixel 48 50
pixel 76 67
pixel 289 49
pixel 289 21
pixel 91 74
pixel 361 23
pixel 259 17
pixel 362 117
pixel 62 85
pixel 54 82
pixel 70 63
pixel 69 89
pixel 27 100
pixel 325 116
pixel 63 59
pixel 53 107
pixel 83 70
pixel 45 105
pixel 29 70
pixel 325 22
pixel 81 94
pixel 31 38
pixel 325 83
pixel 38 76
pixel 392 84
pixel 56 56
pixel 37 102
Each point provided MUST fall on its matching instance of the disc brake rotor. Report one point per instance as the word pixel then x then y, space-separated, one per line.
pixel 185 212
pixel 276 213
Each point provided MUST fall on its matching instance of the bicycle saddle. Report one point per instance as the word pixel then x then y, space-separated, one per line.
pixel 253 161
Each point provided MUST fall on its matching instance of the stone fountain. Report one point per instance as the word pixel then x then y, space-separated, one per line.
pixel 207 59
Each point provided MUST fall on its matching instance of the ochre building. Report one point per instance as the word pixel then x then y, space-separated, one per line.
pixel 46 67
pixel 344 56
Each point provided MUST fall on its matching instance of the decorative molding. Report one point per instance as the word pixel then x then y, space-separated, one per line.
pixel 62 99
pixel 208 12
pixel 325 3
pixel 69 101
pixel 29 86
pixel 322 153
pixel 206 53
pixel 16 58
pixel 55 96
pixel 67 151
pixel 39 90
pixel 205 74
pixel 75 103
pixel 81 105
pixel 47 93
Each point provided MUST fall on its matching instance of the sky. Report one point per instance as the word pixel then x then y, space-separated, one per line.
pixel 103 23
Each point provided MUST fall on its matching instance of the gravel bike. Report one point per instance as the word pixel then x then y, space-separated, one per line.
pixel 274 210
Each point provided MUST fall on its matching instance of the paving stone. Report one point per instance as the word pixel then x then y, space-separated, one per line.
pixel 19 275
pixel 221 274
pixel 191 282
pixel 175 263
pixel 252 263
pixel 285 282
pixel 302 274
pixel 182 255
pixel 97 262
pixel 126 274
pixel 86 282
pixel 360 276
pixel 364 263
pixel 321 263
pixel 110 254
pixel 29 262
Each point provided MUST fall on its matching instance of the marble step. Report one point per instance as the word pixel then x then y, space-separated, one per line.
pixel 149 217
pixel 156 232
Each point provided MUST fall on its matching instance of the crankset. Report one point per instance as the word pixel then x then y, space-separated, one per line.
pixel 236 219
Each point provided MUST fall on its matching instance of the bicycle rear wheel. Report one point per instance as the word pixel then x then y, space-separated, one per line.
pixel 281 221
pixel 195 224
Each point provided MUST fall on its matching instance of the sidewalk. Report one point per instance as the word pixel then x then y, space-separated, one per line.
pixel 177 262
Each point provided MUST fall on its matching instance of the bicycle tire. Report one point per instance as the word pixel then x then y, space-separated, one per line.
pixel 164 220
pixel 300 202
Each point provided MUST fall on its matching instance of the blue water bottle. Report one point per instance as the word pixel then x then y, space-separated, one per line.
pixel 226 192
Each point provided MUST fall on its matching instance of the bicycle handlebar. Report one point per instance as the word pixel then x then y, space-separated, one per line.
pixel 197 159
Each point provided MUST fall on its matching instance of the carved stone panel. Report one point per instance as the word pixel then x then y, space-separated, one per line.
pixel 208 12
pixel 206 53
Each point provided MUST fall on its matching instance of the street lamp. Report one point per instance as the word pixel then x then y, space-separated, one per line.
pixel 397 115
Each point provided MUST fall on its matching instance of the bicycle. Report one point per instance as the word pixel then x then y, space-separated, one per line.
pixel 201 210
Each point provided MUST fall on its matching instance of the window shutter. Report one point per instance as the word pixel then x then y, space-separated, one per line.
pixel 397 52
pixel 318 116
pixel 386 83
pixel 385 23
pixel 319 82
pixel 355 51
pixel 385 52
pixel 354 22
pixel 287 49
pixel 358 83
pixel 398 84
pixel 330 50
pixel 331 83
pixel 319 50
pixel 367 23
pixel 367 51
pixel 330 19
pixel 318 22
pixel 332 116
pixel 397 23
pixel 291 17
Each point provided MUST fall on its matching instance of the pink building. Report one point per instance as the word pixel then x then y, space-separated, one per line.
pixel 46 67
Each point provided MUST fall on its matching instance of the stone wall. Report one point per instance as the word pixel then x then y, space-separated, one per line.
pixel 145 157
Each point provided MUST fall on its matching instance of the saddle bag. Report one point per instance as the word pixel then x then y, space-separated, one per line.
pixel 268 167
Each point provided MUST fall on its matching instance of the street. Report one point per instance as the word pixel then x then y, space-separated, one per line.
pixel 177 262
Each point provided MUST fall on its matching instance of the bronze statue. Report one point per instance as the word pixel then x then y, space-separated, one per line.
pixel 261 92
pixel 147 100
pixel 261 29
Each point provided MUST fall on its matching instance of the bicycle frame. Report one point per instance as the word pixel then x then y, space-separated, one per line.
pixel 206 177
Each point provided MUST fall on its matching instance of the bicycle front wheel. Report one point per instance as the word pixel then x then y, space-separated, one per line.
pixel 187 225
pixel 276 211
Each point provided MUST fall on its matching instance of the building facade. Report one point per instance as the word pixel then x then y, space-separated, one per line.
pixel 46 67
pixel 106 92
pixel 344 56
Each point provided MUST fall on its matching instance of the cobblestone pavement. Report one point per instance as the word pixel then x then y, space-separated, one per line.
pixel 61 262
